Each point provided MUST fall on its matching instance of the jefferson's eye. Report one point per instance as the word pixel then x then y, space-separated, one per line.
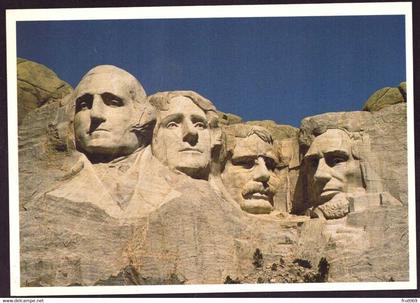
pixel 172 124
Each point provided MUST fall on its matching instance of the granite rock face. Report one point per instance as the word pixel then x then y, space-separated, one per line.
pixel 252 215
pixel 37 85
pixel 385 97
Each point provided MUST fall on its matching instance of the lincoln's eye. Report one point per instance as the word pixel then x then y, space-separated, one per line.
pixel 334 160
pixel 200 125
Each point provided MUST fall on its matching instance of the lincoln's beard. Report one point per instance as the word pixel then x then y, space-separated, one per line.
pixel 336 208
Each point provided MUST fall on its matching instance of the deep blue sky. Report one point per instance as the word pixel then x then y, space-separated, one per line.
pixel 283 69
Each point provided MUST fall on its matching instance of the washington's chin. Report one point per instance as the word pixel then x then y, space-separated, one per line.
pixel 194 169
pixel 257 204
pixel 191 160
pixel 103 146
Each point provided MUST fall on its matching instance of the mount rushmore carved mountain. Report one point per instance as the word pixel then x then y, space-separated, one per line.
pixel 122 188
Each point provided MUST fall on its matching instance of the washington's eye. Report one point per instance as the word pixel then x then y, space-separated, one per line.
pixel 112 100
pixel 83 105
pixel 171 124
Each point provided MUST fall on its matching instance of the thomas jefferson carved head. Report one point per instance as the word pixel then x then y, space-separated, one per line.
pixel 249 171
pixel 183 137
pixel 109 104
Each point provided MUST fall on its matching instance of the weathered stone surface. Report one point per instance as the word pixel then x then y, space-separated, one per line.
pixel 385 97
pixel 37 85
pixel 228 118
pixel 140 218
pixel 368 245
pixel 403 89
pixel 278 131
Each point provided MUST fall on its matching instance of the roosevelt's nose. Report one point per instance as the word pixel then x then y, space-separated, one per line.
pixel 323 171
pixel 261 172
pixel 189 133
pixel 97 111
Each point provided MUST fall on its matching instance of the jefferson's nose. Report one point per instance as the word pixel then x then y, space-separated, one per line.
pixel 323 171
pixel 261 172
pixel 189 133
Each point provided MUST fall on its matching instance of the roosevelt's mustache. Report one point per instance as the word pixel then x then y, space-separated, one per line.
pixel 257 187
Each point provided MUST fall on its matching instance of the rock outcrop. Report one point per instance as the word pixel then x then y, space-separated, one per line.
pixel 385 97
pixel 37 85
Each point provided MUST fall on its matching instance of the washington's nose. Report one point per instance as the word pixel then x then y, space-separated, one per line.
pixel 189 133
pixel 97 111
pixel 323 171
pixel 261 173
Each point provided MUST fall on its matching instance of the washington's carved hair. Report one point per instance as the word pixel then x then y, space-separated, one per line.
pixel 134 88
pixel 146 113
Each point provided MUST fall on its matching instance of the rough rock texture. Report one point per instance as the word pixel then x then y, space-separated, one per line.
pixel 228 119
pixel 191 233
pixel 278 131
pixel 385 97
pixel 358 250
pixel 37 85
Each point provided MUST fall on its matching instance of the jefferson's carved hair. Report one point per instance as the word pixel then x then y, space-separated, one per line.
pixel 161 100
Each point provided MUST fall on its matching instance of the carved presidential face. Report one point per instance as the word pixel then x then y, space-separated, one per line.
pixel 249 175
pixel 105 114
pixel 332 167
pixel 181 139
